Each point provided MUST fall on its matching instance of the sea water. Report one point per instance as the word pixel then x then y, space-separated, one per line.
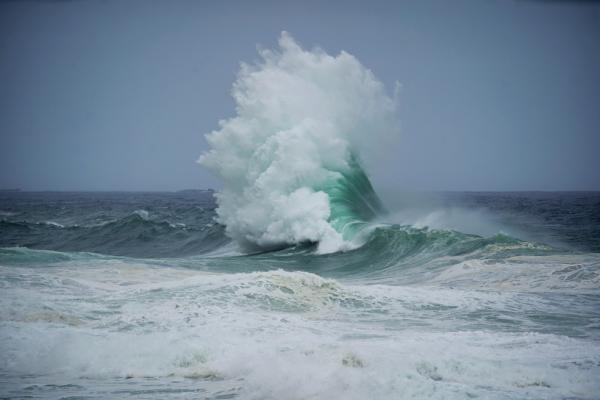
pixel 141 295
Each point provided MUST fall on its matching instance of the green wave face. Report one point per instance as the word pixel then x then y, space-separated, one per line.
pixel 398 254
pixel 353 201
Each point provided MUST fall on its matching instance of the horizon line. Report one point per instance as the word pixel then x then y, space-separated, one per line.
pixel 18 190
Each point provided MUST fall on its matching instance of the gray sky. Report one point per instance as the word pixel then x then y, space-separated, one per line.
pixel 116 95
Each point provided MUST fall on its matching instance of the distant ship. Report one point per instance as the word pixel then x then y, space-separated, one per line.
pixel 196 191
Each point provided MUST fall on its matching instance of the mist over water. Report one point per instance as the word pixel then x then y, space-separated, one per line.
pixel 565 220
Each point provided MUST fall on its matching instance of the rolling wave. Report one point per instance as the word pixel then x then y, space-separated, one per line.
pixel 134 235
pixel 391 255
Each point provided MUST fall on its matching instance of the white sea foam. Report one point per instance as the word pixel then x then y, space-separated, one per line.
pixel 577 273
pixel 52 223
pixel 143 214
pixel 277 334
pixel 300 116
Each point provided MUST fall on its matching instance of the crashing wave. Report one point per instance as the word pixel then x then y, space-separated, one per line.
pixel 289 158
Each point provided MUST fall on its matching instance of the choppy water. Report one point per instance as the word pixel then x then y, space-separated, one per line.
pixel 141 295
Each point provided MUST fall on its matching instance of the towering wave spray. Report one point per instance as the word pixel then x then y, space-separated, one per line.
pixel 289 159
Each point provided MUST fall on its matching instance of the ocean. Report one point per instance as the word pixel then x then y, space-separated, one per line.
pixel 449 295
pixel 298 280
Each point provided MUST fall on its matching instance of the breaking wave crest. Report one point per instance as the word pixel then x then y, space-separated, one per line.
pixel 289 160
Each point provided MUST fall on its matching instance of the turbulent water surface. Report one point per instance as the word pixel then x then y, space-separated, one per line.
pixel 295 281
pixel 108 295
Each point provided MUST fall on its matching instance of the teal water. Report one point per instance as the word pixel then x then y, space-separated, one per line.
pixel 142 295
